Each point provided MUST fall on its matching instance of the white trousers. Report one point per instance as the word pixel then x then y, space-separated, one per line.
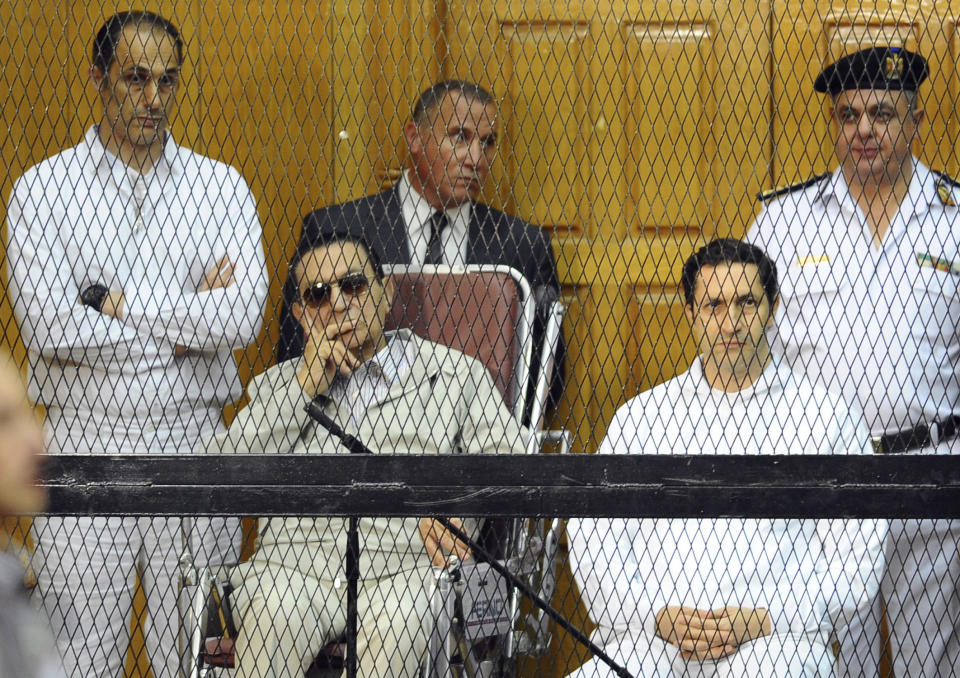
pixel 776 656
pixel 861 643
pixel 285 618
pixel 86 572
pixel 87 567
pixel 920 588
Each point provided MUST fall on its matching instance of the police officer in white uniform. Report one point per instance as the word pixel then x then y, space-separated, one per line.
pixel 870 255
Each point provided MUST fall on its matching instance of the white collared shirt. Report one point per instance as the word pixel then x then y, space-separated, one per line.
pixel 879 325
pixel 810 575
pixel 371 381
pixel 77 219
pixel 417 213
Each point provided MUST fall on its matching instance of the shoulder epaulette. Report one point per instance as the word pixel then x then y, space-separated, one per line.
pixel 945 185
pixel 943 176
pixel 766 196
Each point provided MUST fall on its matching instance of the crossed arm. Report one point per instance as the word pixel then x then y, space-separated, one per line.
pixel 218 277
pixel 52 243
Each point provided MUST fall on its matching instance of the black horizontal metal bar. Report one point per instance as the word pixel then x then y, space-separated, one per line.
pixel 813 486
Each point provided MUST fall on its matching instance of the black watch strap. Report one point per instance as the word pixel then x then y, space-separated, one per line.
pixel 94 296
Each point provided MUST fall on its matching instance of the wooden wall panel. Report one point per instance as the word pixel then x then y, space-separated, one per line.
pixel 801 146
pixel 407 45
pixel 660 327
pixel 264 85
pixel 940 145
pixel 669 110
pixel 547 178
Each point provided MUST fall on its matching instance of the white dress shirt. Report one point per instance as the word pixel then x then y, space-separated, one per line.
pixel 880 325
pixel 809 575
pixel 371 381
pixel 81 218
pixel 417 213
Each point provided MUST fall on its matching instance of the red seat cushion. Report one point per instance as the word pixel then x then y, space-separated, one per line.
pixel 434 305
pixel 220 652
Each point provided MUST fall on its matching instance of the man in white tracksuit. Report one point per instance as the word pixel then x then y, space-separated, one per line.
pixel 870 257
pixel 135 270
pixel 727 597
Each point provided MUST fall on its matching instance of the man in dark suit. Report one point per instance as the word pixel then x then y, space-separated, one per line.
pixel 431 216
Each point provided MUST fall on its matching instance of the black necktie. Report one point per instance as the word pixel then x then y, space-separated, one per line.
pixel 434 255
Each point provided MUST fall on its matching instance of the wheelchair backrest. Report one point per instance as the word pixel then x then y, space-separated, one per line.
pixel 484 311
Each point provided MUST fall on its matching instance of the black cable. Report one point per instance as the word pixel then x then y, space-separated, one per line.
pixel 516 582
pixel 318 415
pixel 351 563
pixel 357 447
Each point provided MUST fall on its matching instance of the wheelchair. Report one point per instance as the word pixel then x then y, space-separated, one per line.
pixel 479 625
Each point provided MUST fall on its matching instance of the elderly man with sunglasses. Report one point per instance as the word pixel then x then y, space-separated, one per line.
pixel 398 394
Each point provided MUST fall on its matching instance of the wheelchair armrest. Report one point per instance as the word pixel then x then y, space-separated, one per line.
pixel 559 437
pixel 218 652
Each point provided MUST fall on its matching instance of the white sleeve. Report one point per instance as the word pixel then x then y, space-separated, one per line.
pixel 224 318
pixel 770 231
pixel 602 557
pixel 760 229
pixel 272 421
pixel 45 295
pixel 849 574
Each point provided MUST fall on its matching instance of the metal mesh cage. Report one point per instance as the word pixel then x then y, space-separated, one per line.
pixel 169 198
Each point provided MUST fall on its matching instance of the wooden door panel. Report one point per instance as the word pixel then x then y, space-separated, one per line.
pixel 545 167
pixel 614 120
pixel 668 112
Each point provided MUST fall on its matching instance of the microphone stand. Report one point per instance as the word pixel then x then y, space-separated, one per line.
pixel 352 559
pixel 355 446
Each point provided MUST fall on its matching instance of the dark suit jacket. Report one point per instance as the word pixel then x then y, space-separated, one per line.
pixel 494 238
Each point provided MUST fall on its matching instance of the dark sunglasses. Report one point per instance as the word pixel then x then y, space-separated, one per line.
pixel 352 284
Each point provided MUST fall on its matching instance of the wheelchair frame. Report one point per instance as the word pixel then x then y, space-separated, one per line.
pixel 451 648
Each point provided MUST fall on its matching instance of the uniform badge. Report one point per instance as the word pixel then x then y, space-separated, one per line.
pixel 893 67
pixel 945 194
pixel 925 260
pixel 812 259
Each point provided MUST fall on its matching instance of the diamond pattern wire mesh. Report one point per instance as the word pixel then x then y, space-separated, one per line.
pixel 628 134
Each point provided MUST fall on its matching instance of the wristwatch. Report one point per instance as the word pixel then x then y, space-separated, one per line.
pixel 94 296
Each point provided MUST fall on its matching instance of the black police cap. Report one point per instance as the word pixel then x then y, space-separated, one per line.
pixel 891 68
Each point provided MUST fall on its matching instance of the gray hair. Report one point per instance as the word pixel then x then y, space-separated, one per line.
pixel 431 98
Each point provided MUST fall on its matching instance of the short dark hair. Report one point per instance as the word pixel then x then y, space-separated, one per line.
pixel 325 237
pixel 730 251
pixel 432 97
pixel 105 42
